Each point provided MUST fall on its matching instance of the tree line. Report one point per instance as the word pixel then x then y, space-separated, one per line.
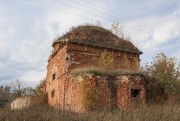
pixel 17 88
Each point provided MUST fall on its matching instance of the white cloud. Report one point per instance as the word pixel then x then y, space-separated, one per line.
pixel 166 28
pixel 30 44
pixel 27 32
pixel 12 31
pixel 177 55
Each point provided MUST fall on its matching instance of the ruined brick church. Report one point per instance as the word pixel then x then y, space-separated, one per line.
pixel 82 48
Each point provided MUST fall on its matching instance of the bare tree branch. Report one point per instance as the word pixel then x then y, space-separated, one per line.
pixel 17 87
pixel 118 29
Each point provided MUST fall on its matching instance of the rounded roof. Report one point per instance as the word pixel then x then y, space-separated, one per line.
pixel 97 36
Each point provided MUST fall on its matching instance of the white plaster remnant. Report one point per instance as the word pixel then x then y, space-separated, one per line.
pixel 79 78
pixel 75 62
pixel 90 54
pixel 25 102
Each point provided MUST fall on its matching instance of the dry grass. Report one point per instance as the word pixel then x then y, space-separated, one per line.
pixel 97 36
pixel 168 112
pixel 103 72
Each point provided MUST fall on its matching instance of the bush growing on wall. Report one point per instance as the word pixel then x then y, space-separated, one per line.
pixel 90 94
pixel 106 60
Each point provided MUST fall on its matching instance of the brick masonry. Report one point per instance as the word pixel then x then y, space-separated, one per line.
pixel 64 91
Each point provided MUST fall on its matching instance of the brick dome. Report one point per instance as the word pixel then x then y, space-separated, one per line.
pixel 97 36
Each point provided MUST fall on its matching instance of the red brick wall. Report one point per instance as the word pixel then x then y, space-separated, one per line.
pixel 108 96
pixel 68 95
pixel 124 86
pixel 74 96
pixel 88 56
pixel 56 65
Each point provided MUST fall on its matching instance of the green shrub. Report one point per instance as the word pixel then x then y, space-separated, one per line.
pixel 106 60
pixel 103 72
pixel 166 71
pixel 90 95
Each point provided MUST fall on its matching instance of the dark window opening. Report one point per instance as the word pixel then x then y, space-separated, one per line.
pixel 52 93
pixel 54 76
pixel 135 92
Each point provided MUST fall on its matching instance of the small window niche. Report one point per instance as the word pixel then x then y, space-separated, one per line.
pixel 135 92
pixel 52 93
pixel 54 76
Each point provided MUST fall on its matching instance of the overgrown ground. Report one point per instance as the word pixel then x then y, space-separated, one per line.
pixel 166 112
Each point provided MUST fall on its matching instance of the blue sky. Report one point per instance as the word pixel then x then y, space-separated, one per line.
pixel 28 28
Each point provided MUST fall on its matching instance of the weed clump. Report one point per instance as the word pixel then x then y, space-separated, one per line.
pixel 167 112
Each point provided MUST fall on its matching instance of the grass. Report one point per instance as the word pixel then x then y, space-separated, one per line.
pixel 97 36
pixel 103 72
pixel 167 112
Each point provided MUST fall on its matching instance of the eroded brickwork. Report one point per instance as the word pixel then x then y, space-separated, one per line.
pixel 66 57
pixel 57 67
pixel 125 87
pixel 110 92
pixel 82 48
pixel 88 56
